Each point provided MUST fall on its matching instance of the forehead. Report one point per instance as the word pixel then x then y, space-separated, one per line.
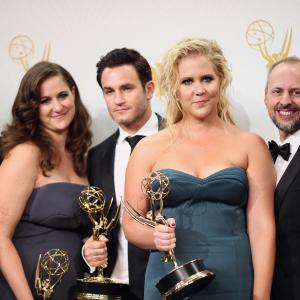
pixel 195 63
pixel 119 75
pixel 53 82
pixel 285 75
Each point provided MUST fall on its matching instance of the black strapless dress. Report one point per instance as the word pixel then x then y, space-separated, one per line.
pixel 52 219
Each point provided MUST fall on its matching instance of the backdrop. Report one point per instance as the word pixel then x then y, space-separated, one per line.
pixel 75 33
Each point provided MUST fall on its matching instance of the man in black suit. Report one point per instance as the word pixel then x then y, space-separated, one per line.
pixel 126 81
pixel 282 99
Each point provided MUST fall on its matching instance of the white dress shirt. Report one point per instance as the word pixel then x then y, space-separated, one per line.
pixel 122 154
pixel 280 163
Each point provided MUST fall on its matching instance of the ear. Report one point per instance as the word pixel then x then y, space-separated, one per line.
pixel 73 91
pixel 149 89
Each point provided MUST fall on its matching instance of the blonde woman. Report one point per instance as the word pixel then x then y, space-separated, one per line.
pixel 220 205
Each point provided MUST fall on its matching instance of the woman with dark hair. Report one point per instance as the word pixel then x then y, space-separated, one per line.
pixel 220 204
pixel 43 169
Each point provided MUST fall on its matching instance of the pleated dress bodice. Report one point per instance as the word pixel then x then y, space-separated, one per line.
pixel 210 225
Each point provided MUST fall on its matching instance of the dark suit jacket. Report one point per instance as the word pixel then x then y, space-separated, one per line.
pixel 286 283
pixel 101 173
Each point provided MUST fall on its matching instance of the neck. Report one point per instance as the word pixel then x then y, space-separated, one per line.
pixel 137 124
pixel 197 128
pixel 283 136
pixel 59 140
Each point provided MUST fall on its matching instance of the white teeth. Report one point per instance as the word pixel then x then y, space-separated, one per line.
pixel 285 113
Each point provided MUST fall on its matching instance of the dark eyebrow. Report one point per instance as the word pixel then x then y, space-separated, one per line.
pixel 44 97
pixel 106 88
pixel 63 92
pixel 127 85
pixel 185 78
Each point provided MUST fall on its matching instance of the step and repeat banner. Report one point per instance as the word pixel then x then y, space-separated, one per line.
pixel 76 33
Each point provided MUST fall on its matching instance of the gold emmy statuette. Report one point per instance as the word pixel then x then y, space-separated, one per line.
pixel 261 32
pixel 185 279
pixel 49 271
pixel 92 201
pixel 21 48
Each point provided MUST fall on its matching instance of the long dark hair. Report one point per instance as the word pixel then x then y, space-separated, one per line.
pixel 25 125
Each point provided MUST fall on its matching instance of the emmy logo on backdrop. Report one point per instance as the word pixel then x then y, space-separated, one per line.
pixel 49 271
pixel 92 201
pixel 261 32
pixel 186 279
pixel 21 47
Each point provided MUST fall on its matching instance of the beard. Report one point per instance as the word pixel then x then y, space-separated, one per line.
pixel 288 128
pixel 291 127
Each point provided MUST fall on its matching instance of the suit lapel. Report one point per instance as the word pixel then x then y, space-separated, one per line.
pixel 287 178
pixel 108 166
pixel 161 121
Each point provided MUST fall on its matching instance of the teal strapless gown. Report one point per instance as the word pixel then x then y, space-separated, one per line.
pixel 210 224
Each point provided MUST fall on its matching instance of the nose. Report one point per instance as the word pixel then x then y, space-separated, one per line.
pixel 119 98
pixel 286 98
pixel 56 105
pixel 198 89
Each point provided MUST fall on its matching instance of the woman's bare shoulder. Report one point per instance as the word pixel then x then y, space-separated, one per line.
pixel 24 153
pixel 157 140
pixel 246 137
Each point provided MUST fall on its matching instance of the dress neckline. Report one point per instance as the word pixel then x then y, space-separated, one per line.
pixel 59 183
pixel 224 170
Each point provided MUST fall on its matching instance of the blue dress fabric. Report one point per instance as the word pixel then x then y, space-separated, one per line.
pixel 211 225
pixel 52 219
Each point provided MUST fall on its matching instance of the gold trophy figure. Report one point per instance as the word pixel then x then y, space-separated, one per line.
pixel 185 279
pixel 21 47
pixel 261 32
pixel 92 201
pixel 49 271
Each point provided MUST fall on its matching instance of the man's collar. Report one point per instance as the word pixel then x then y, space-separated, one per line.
pixel 293 139
pixel 150 127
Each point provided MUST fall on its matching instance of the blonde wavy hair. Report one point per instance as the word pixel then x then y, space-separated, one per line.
pixel 169 79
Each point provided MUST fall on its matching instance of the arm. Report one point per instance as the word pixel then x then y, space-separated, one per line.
pixel 260 215
pixel 18 173
pixel 140 166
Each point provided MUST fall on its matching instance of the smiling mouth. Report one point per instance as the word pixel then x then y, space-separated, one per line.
pixel 59 116
pixel 199 101
pixel 286 112
pixel 287 115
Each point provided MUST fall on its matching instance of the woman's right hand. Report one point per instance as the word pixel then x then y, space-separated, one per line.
pixel 164 236
pixel 95 251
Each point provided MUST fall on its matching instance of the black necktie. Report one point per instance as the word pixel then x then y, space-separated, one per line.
pixel 276 150
pixel 133 140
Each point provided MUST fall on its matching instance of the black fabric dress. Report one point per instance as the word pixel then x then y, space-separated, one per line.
pixel 52 219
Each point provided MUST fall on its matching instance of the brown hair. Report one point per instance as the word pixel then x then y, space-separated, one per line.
pixel 25 125
pixel 170 77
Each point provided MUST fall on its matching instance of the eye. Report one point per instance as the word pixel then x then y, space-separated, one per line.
pixel 276 92
pixel 295 92
pixel 207 78
pixel 107 91
pixel 45 101
pixel 63 95
pixel 127 88
pixel 187 81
